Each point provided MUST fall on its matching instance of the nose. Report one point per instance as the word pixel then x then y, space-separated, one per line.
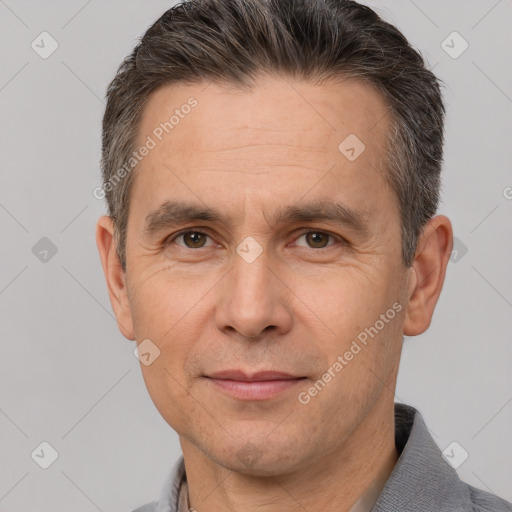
pixel 253 300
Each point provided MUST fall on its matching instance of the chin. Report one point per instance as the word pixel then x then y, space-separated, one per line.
pixel 261 459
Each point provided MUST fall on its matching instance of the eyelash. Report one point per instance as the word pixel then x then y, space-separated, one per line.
pixel 172 238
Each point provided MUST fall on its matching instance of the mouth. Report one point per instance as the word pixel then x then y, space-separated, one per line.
pixel 261 385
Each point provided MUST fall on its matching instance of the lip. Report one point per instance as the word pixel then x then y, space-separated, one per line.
pixel 260 376
pixel 261 385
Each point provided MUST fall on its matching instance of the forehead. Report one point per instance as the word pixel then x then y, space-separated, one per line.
pixel 214 140
pixel 311 116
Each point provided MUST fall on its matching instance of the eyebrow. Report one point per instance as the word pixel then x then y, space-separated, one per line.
pixel 172 213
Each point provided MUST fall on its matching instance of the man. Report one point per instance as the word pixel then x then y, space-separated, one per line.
pixel 272 172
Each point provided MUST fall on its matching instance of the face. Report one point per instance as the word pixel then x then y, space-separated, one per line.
pixel 260 239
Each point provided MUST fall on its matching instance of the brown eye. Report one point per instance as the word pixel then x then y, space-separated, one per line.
pixel 194 239
pixel 188 239
pixel 317 239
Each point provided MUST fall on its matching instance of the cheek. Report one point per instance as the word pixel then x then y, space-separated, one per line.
pixel 345 300
pixel 362 358
pixel 170 312
pixel 357 316
pixel 168 390
pixel 162 299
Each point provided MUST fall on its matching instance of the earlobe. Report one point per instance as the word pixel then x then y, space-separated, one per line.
pixel 427 274
pixel 114 275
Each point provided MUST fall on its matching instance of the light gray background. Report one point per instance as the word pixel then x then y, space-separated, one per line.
pixel 68 377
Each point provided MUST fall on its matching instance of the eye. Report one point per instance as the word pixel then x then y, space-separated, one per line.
pixel 190 239
pixel 316 239
pixel 194 239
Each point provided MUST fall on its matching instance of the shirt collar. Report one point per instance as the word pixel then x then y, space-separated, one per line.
pixel 422 479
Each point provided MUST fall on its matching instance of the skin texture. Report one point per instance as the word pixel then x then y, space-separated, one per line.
pixel 295 308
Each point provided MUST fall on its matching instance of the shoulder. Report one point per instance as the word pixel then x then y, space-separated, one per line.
pixel 149 507
pixel 482 501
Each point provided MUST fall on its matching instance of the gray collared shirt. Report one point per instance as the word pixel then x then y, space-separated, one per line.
pixel 422 481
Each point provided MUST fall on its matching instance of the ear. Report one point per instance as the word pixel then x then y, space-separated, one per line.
pixel 427 274
pixel 114 275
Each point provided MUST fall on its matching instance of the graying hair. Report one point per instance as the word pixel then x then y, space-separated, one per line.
pixel 235 41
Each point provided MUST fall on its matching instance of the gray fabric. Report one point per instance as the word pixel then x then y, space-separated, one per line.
pixel 422 481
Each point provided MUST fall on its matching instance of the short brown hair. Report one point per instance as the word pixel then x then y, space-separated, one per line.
pixel 234 41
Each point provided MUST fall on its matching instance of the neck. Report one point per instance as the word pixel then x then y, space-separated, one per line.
pixel 352 476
